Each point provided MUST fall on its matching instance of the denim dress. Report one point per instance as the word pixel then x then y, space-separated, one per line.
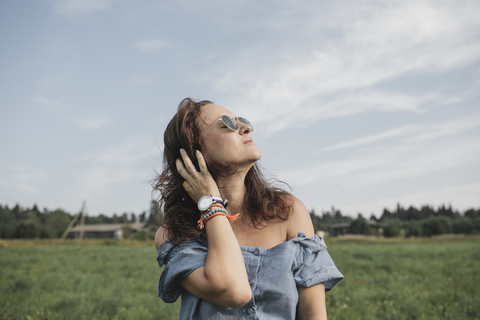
pixel 274 275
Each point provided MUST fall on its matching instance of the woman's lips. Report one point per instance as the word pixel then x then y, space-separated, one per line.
pixel 248 141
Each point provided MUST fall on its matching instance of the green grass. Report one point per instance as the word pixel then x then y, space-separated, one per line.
pixel 75 281
pixel 434 278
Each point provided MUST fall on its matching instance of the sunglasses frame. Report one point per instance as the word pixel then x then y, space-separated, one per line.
pixel 228 122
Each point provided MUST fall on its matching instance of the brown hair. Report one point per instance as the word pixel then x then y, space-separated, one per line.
pixel 262 201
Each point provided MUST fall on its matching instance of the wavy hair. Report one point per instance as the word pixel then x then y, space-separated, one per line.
pixel 262 200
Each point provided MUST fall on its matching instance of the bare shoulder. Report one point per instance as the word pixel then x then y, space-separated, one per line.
pixel 160 237
pixel 299 220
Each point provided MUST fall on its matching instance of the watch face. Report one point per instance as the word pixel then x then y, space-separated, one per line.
pixel 204 203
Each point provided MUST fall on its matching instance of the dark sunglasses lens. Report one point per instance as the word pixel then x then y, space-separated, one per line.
pixel 243 120
pixel 229 122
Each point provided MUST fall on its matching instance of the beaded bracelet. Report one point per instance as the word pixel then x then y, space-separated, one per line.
pixel 205 217
pixel 214 206
pixel 211 212
pixel 209 209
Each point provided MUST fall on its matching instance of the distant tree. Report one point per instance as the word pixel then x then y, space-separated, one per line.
pixel 426 212
pixel 436 226
pixel 57 223
pixel 127 232
pixel 45 233
pixel 413 229
pixel 447 212
pixel 26 230
pixel 391 229
pixel 386 215
pixel 360 226
pixel 472 213
pixel 326 216
pixel 16 210
pixel 8 223
pixel 116 219
pixel 337 214
pixel 35 209
pixel 100 219
pixel 410 214
pixel 19 213
pixel 463 225
pixel 141 235
pixel 155 217
pixel 143 216
pixel 133 218
pixel 319 223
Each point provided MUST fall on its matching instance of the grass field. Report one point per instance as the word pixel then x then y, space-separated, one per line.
pixel 437 278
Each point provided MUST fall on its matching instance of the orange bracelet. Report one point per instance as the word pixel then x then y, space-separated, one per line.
pixel 209 209
pixel 231 218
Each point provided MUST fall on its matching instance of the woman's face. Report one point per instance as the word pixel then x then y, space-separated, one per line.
pixel 224 146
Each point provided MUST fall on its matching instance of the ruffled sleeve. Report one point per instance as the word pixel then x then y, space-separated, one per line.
pixel 313 264
pixel 179 261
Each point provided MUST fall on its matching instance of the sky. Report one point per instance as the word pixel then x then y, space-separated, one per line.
pixel 358 104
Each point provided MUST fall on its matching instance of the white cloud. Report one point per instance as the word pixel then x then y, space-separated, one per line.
pixel 414 133
pixel 412 162
pixel 388 163
pixel 23 178
pixel 127 154
pixel 119 175
pixel 45 101
pixel 339 76
pixel 73 115
pixel 76 7
pixel 324 170
pixel 389 134
pixel 150 45
pixel 118 164
pixel 444 129
pixel 51 105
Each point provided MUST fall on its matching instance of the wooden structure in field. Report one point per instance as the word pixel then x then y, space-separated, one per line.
pixel 103 231
pixel 99 231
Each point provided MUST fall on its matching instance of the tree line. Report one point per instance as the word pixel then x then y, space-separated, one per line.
pixel 407 222
pixel 18 222
pixel 29 223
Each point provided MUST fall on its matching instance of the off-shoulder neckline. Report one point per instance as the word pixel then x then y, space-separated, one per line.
pixel 203 238
pixel 300 235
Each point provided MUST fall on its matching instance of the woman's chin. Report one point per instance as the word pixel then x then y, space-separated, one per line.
pixel 256 155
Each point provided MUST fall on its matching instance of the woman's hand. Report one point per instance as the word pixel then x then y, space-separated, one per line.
pixel 197 183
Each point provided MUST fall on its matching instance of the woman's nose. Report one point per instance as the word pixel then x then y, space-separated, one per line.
pixel 243 128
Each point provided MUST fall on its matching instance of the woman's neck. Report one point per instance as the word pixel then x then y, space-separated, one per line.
pixel 232 188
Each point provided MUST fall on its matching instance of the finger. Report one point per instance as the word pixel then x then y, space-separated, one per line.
pixel 181 169
pixel 186 160
pixel 201 162
pixel 186 186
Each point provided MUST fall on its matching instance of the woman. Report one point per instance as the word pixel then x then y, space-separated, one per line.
pixel 267 264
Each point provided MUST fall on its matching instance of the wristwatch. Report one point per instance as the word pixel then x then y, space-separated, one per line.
pixel 207 200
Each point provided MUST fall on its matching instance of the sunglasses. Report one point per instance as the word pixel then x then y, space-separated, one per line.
pixel 231 123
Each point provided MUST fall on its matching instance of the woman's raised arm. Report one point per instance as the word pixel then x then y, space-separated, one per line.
pixel 223 279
